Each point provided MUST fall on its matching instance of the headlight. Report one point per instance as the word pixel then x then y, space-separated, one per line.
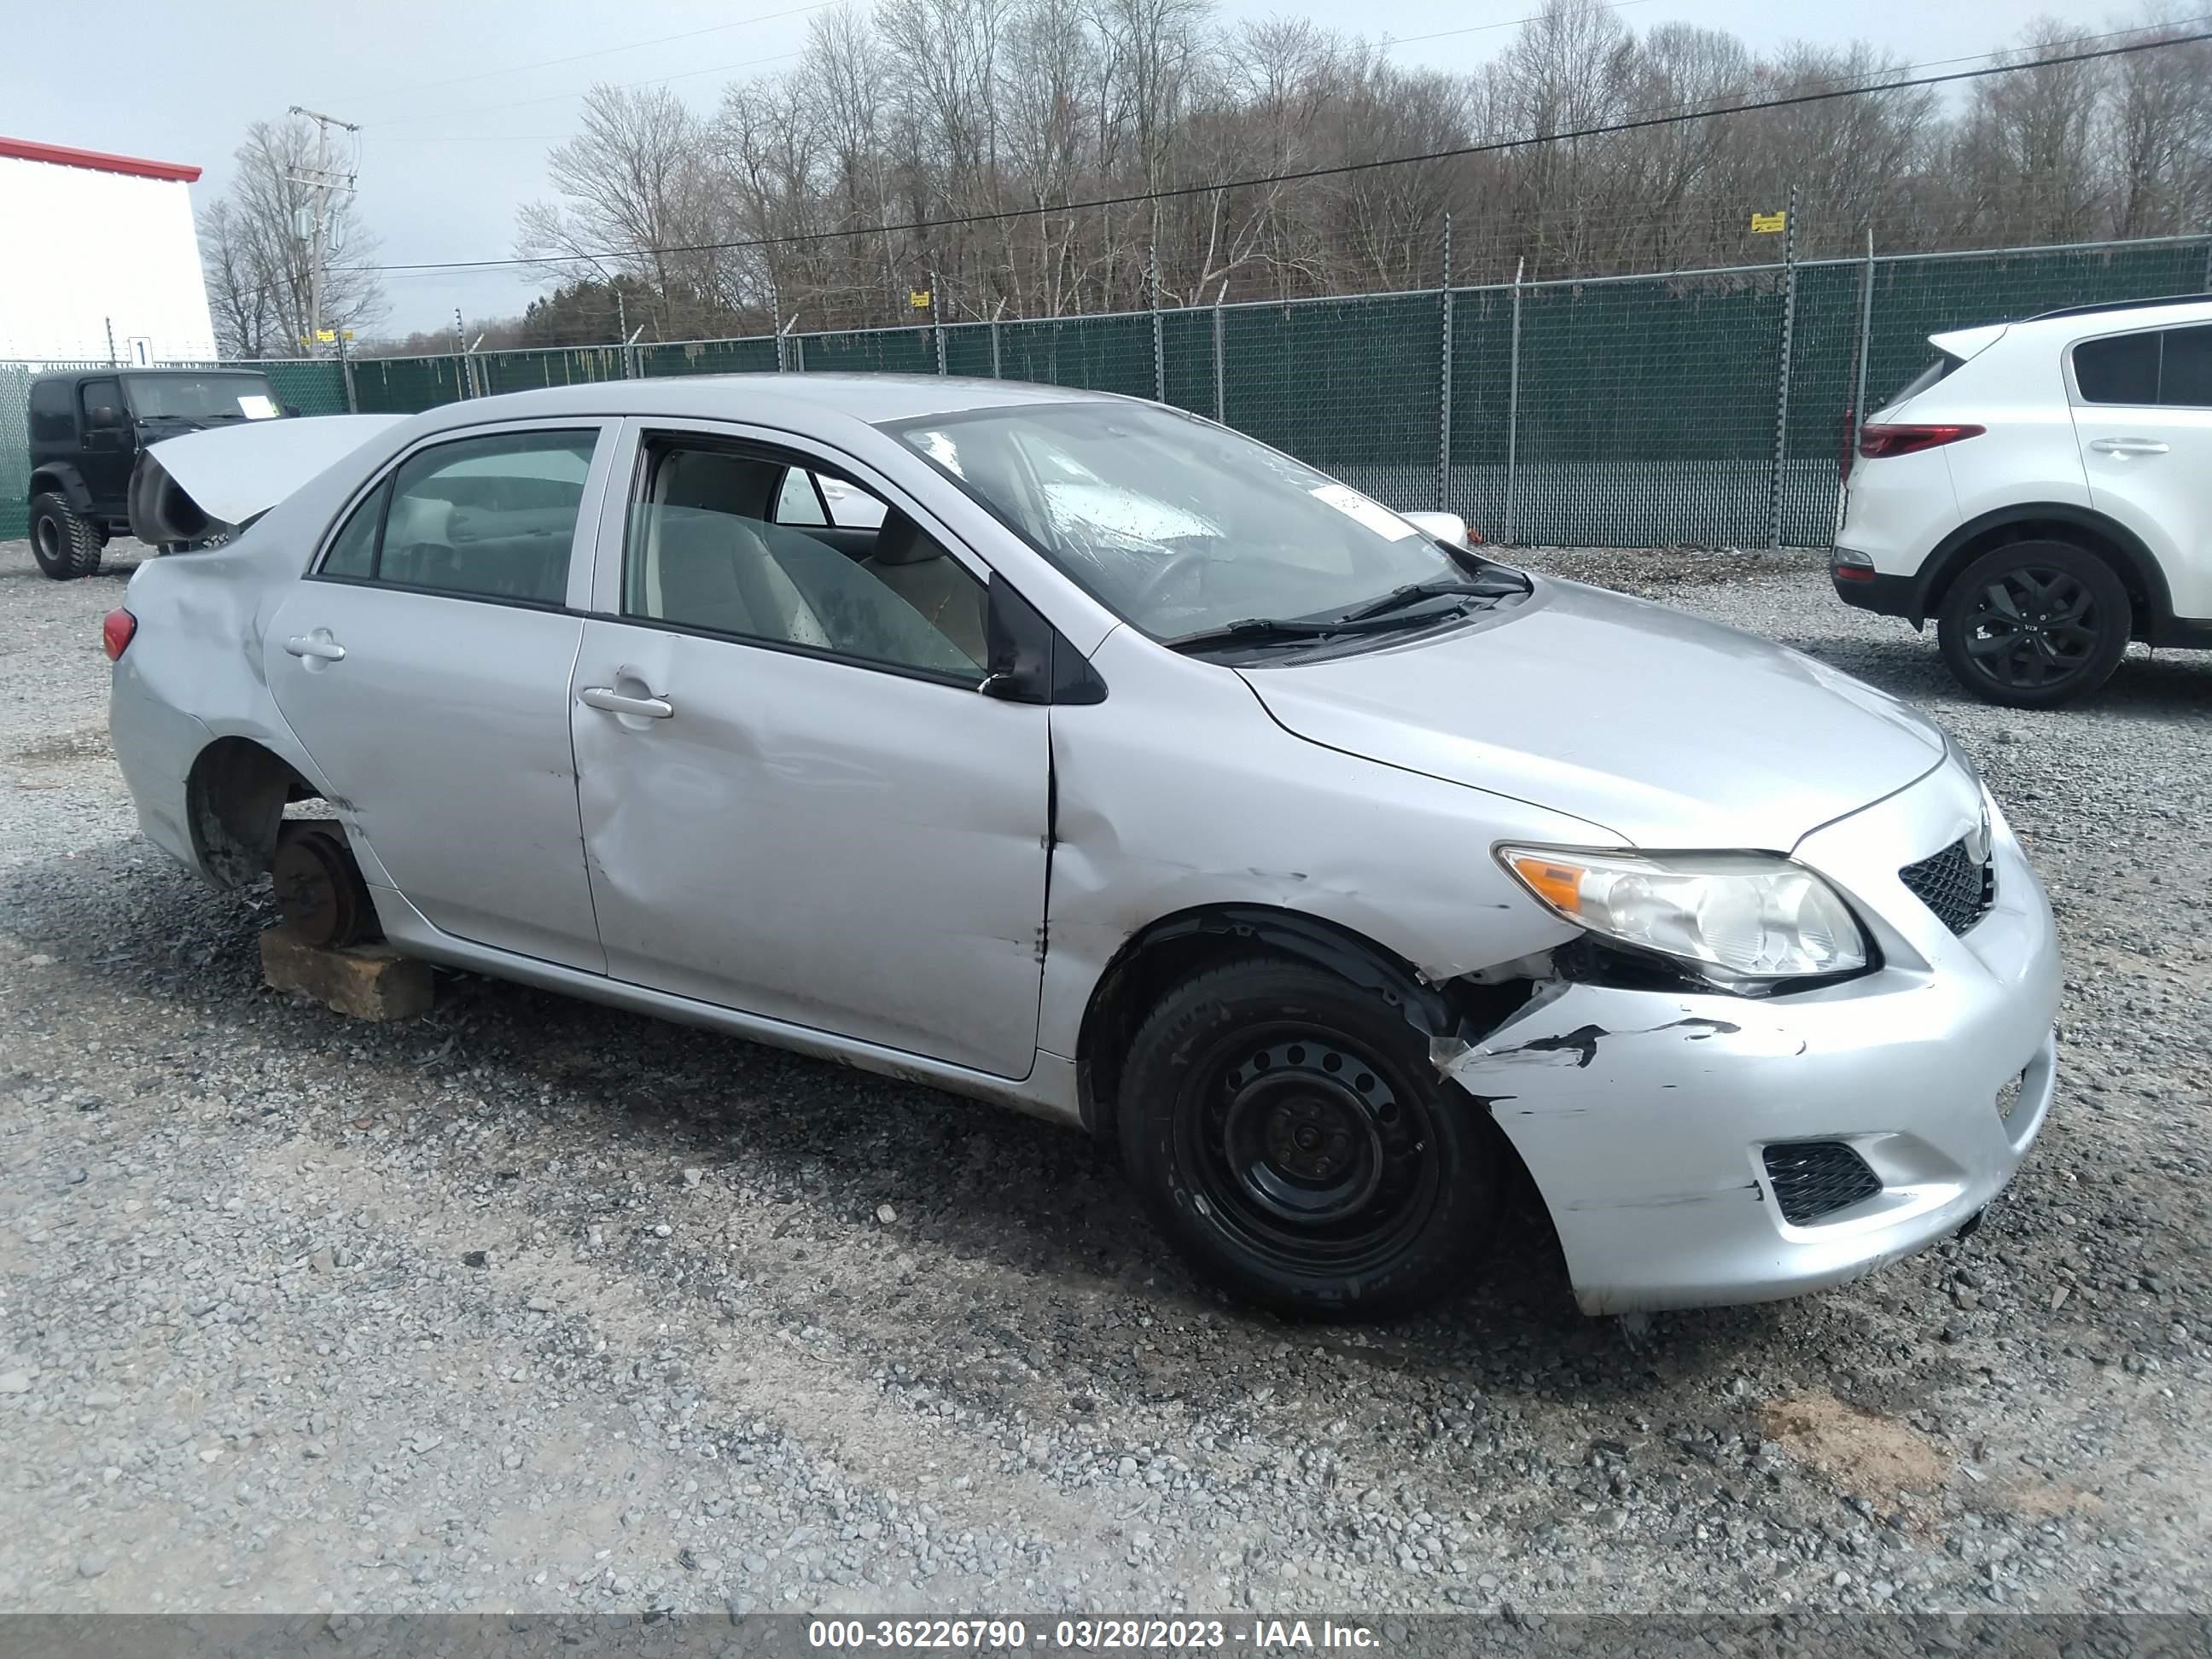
pixel 1743 915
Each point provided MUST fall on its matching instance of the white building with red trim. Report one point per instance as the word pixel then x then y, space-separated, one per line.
pixel 105 259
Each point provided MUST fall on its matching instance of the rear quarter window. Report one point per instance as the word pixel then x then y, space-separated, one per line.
pixel 1926 378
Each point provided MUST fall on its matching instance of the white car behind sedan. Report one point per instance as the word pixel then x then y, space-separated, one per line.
pixel 2041 491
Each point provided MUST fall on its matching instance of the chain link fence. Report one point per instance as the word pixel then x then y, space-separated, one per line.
pixel 1709 407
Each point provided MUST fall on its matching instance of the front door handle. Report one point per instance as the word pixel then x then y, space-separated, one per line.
pixel 606 697
pixel 2128 447
pixel 317 646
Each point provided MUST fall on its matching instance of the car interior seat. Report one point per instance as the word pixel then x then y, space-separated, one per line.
pixel 911 563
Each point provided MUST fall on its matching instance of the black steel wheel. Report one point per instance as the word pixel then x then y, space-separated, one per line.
pixel 2034 624
pixel 320 892
pixel 1297 1145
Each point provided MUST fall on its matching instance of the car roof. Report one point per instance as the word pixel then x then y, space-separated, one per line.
pixel 140 371
pixel 870 398
pixel 2121 304
pixel 2077 322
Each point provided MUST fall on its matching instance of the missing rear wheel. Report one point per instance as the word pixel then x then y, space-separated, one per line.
pixel 320 892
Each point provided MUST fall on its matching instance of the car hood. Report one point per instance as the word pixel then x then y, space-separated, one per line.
pixel 1669 731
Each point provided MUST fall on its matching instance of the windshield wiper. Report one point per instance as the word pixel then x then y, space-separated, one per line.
pixel 1278 630
pixel 1415 593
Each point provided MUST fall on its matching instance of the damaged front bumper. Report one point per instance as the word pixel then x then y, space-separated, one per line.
pixel 1646 1117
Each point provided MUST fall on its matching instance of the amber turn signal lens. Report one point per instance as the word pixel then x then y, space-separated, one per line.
pixel 1559 885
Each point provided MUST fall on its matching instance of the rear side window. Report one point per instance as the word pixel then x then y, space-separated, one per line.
pixel 796 502
pixel 2120 370
pixel 50 411
pixel 353 553
pixel 2185 370
pixel 490 518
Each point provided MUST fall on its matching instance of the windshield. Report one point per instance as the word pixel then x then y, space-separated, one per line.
pixel 1177 526
pixel 201 397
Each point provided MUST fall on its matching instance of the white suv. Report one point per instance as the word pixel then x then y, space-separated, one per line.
pixel 2041 490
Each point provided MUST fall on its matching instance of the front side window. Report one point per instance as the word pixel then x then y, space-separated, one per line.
pixel 705 552
pixel 1174 524
pixel 491 517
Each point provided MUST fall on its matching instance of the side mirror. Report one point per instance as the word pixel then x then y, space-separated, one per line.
pixel 105 417
pixel 1026 659
pixel 1447 527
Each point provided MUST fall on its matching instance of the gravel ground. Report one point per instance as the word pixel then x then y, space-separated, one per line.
pixel 540 1306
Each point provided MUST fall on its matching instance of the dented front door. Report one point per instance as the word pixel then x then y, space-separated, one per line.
pixel 815 841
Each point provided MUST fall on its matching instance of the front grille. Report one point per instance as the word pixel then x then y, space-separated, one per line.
pixel 1958 887
pixel 1813 1178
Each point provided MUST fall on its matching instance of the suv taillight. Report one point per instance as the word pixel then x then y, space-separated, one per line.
pixel 1876 442
pixel 116 630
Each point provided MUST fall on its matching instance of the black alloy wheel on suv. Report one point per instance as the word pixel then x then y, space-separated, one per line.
pixel 2034 624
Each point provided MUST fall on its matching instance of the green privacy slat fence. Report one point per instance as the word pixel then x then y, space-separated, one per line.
pixel 708 358
pixel 1707 407
pixel 406 385
pixel 312 388
pixel 15 441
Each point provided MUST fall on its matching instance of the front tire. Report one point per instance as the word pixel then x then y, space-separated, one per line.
pixel 2034 624
pixel 1295 1144
pixel 65 545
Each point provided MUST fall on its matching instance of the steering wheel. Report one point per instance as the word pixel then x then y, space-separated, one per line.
pixel 1157 583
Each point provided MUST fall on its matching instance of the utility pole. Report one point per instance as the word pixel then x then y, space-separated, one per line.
pixel 323 179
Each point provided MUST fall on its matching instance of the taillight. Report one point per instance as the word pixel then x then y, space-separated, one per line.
pixel 1876 441
pixel 116 630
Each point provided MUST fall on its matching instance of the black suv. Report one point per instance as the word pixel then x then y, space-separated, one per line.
pixel 87 429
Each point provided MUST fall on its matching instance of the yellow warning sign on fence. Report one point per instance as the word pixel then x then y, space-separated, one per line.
pixel 1766 223
pixel 918 298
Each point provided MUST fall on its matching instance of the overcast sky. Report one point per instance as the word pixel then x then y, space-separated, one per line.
pixel 443 167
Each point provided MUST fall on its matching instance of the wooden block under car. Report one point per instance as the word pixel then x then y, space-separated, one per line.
pixel 368 981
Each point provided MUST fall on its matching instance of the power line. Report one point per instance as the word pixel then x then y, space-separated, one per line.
pixel 1509 22
pixel 1488 147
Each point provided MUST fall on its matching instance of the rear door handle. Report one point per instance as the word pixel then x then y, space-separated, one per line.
pixel 606 697
pixel 319 645
pixel 2127 446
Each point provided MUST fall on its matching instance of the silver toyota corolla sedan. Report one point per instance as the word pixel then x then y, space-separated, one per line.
pixel 1078 754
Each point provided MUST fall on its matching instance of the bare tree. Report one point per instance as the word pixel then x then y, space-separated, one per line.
pixel 637 198
pixel 2026 146
pixel 954 144
pixel 2159 134
pixel 256 254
